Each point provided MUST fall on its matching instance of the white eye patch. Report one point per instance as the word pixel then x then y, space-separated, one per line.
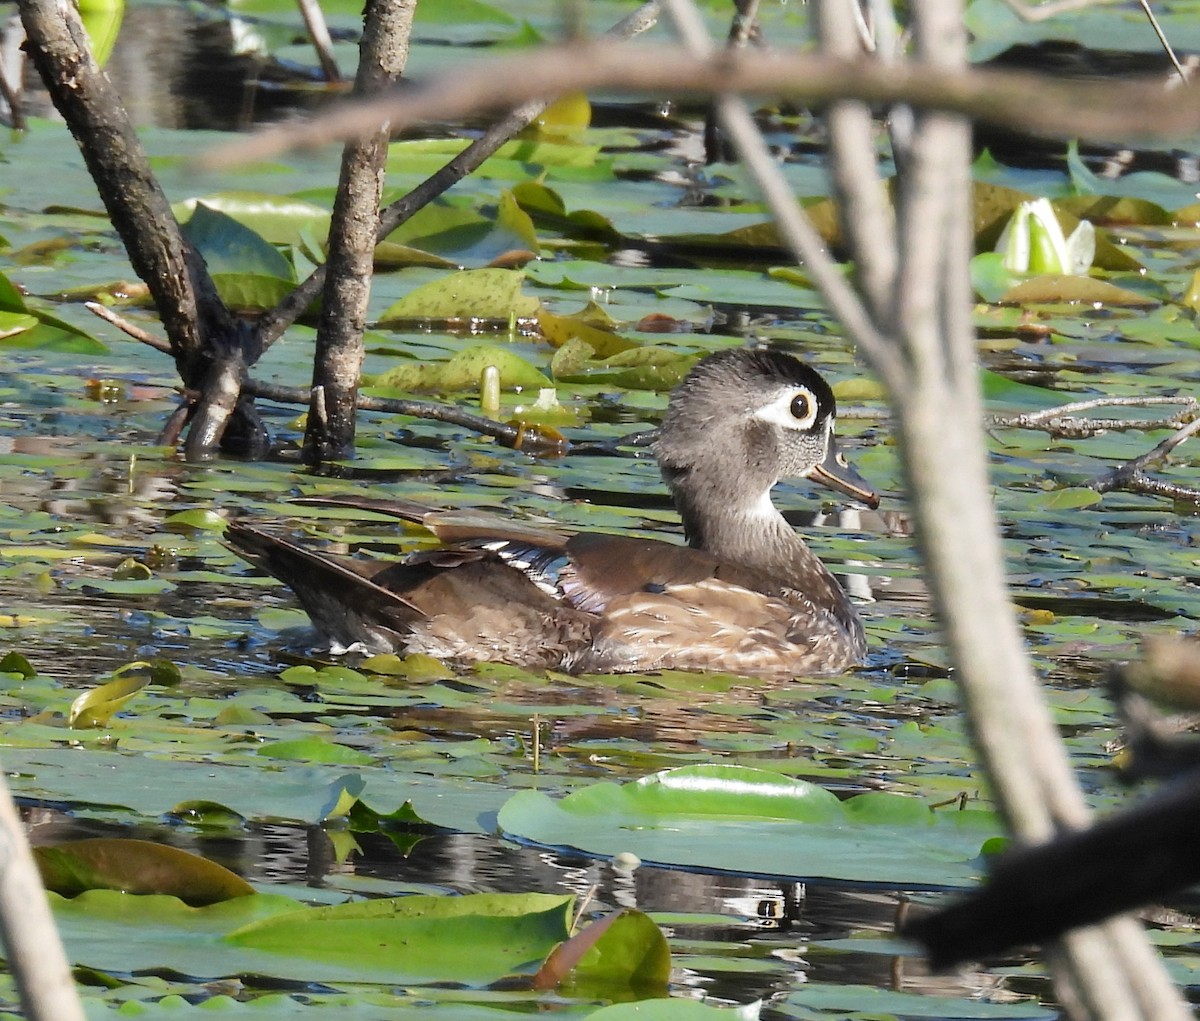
pixel 793 408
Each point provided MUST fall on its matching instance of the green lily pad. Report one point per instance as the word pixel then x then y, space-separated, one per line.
pixel 419 938
pixel 745 820
pixel 462 372
pixel 469 294
pixel 1047 290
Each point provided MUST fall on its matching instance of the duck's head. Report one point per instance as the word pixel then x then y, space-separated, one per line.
pixel 742 420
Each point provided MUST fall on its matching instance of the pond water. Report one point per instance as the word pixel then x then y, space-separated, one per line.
pixel 110 554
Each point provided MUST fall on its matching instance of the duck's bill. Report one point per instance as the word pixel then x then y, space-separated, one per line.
pixel 836 473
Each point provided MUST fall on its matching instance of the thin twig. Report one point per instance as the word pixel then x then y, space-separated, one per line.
pixel 1163 41
pixel 125 326
pixel 865 210
pixel 10 90
pixel 1140 482
pixel 1124 474
pixel 33 950
pixel 318 32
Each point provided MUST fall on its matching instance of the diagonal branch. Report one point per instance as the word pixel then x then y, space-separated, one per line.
pixel 272 325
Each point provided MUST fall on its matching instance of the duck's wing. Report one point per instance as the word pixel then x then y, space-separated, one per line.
pixel 458 602
pixel 346 603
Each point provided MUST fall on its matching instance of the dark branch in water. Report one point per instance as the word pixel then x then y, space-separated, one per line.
pixel 1132 477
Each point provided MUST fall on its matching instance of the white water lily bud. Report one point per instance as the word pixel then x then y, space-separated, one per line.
pixel 1032 242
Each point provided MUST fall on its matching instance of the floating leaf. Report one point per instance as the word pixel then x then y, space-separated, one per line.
pixel 625 950
pixel 1191 297
pixel 749 820
pixel 15 663
pixel 132 570
pixel 136 866
pixel 462 372
pixel 229 247
pixel 201 518
pixel 641 368
pixel 469 294
pixel 1047 290
pixel 278 219
pixel 461 12
pixel 561 329
pixel 566 118
pixel 420 938
pixel 102 21
pixel 315 749
pixel 12 323
pixel 250 291
pixel 1071 498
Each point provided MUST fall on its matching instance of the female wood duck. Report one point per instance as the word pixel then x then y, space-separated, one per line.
pixel 748 597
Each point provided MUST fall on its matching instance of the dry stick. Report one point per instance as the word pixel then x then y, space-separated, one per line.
pixel 272 326
pixel 318 32
pixel 1032 103
pixel 1010 727
pixel 11 94
pixel 207 341
pixel 1035 786
pixel 1163 41
pixel 1062 420
pixel 1015 735
pixel 1119 477
pixel 1035 419
pixel 125 326
pixel 1139 482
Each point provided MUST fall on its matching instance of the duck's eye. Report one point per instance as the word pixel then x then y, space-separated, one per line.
pixel 801 407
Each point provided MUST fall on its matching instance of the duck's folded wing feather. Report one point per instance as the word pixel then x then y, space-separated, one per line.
pixel 342 596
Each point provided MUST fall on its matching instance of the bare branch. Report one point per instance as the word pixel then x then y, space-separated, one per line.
pixel 795 229
pixel 318 32
pixel 187 302
pixel 1061 420
pixel 125 326
pixel 1033 103
pixel 1121 477
pixel 271 326
pixel 1163 41
pixel 865 210
pixel 353 232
